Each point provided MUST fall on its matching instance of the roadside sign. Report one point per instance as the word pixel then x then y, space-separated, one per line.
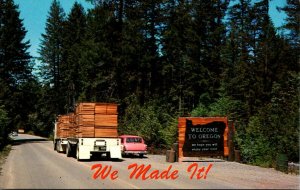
pixel 203 136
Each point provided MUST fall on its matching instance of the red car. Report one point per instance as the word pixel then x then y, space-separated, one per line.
pixel 133 145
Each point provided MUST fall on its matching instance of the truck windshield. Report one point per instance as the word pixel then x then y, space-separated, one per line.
pixel 133 140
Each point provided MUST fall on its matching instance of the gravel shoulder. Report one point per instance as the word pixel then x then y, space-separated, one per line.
pixel 239 175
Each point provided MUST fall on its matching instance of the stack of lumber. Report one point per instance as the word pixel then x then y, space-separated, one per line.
pixel 96 120
pixel 72 126
pixel 65 126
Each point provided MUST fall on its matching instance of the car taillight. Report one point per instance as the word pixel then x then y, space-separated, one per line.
pixel 124 148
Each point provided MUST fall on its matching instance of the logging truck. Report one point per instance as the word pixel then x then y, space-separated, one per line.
pixel 91 129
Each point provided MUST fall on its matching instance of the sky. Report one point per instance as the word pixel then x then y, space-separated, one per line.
pixel 34 14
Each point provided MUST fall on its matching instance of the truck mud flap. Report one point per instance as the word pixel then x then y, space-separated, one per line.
pixel 115 152
pixel 83 153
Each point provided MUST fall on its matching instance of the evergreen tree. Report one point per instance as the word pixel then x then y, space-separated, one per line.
pixel 269 70
pixel 140 41
pixel 74 35
pixel 99 55
pixel 51 55
pixel 132 51
pixel 193 40
pixel 14 59
pixel 151 29
pixel 292 10
pixel 177 69
pixel 240 77
pixel 207 51
pixel 15 69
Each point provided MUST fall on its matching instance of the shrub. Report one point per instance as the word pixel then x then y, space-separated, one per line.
pixel 151 122
pixel 4 129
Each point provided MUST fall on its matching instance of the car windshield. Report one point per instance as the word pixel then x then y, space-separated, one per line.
pixel 134 140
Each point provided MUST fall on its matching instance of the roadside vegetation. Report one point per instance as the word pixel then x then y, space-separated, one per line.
pixel 159 60
pixel 3 155
pixel 5 146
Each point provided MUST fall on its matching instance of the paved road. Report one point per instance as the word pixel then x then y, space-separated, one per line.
pixel 34 164
pixel 26 137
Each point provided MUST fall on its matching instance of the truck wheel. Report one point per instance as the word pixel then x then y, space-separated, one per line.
pixel 54 145
pixel 73 150
pixel 68 150
pixel 108 155
pixel 57 146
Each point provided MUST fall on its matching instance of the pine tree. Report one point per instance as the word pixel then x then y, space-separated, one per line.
pixel 132 51
pixel 140 40
pixel 292 10
pixel 239 72
pixel 100 55
pixel 193 39
pixel 151 28
pixel 51 54
pixel 74 35
pixel 14 59
pixel 15 68
pixel 264 52
pixel 268 78
pixel 177 69
pixel 206 53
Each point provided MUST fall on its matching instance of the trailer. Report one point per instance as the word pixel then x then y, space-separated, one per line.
pixel 90 130
pixel 63 128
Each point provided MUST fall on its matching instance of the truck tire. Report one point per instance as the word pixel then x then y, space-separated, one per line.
pixel 54 145
pixel 68 150
pixel 108 155
pixel 57 146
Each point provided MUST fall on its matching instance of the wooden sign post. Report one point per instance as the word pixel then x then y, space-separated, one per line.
pixel 202 136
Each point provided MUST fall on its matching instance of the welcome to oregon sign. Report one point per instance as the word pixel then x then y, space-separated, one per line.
pixel 203 136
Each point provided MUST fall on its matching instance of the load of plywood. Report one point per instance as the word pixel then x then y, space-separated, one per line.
pixel 96 120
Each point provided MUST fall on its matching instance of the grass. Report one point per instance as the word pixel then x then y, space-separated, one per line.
pixel 3 154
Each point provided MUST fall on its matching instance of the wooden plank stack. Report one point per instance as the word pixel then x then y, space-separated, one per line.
pixel 89 120
pixel 96 120
pixel 65 126
pixel 72 126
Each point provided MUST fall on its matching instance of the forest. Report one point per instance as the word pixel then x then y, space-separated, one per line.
pixel 159 60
